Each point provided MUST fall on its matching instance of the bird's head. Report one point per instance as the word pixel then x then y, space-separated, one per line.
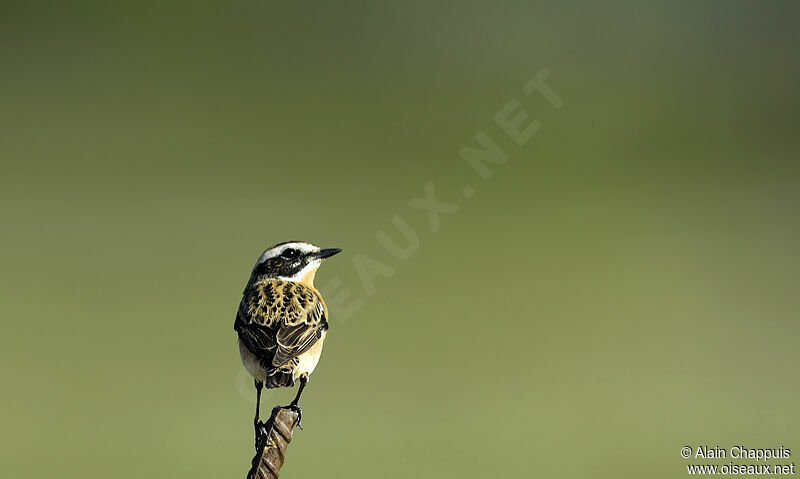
pixel 292 261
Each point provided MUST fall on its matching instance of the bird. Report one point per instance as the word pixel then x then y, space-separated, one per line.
pixel 282 320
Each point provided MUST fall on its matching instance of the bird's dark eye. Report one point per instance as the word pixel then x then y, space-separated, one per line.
pixel 289 253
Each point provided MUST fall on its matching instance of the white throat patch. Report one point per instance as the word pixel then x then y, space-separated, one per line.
pixel 310 268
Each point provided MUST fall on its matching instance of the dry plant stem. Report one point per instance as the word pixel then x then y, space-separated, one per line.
pixel 271 447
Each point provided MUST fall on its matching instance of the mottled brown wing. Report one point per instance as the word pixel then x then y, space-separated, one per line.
pixel 280 320
pixel 302 324
pixel 258 339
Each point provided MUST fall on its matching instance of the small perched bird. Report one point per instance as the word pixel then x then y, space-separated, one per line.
pixel 282 319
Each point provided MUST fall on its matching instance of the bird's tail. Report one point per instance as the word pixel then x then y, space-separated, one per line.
pixel 279 378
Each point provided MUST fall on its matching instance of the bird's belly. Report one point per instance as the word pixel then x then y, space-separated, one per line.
pixel 251 363
pixel 307 362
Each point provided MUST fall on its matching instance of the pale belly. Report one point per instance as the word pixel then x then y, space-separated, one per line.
pixel 306 362
pixel 251 363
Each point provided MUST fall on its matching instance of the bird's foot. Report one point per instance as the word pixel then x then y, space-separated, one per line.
pixel 261 433
pixel 292 407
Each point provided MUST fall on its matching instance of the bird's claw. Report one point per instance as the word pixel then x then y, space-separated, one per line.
pixel 261 433
pixel 296 408
pixel 292 407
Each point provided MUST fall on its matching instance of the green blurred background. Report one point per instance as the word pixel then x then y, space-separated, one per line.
pixel 625 285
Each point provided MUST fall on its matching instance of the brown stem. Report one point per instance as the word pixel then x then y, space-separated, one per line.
pixel 271 447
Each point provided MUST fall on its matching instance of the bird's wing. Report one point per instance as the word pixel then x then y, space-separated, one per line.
pixel 280 320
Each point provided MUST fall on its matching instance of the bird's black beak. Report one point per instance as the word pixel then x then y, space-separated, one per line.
pixel 327 252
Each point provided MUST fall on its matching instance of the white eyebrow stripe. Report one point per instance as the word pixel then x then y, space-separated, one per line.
pixel 276 251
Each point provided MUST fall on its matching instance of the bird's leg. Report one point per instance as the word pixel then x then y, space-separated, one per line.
pixel 258 385
pixel 293 405
pixel 259 427
pixel 303 382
